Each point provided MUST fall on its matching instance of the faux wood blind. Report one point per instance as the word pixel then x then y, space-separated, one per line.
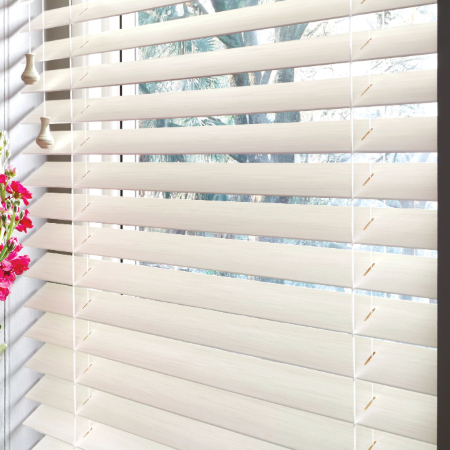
pixel 253 266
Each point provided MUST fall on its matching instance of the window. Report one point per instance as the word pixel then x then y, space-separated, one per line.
pixel 249 258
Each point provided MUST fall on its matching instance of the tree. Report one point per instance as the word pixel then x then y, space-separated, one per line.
pixel 283 34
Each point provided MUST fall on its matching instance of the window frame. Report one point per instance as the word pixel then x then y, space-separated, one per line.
pixel 443 224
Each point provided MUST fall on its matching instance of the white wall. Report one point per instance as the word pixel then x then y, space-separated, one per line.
pixel 15 380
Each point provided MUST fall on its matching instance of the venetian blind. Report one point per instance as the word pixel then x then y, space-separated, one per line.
pixel 244 258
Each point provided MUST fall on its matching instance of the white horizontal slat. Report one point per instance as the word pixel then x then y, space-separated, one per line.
pixel 98 10
pixel 185 433
pixel 44 420
pixel 411 416
pixel 60 424
pixel 270 301
pixel 397 365
pixel 388 89
pixel 392 273
pixel 251 417
pixel 391 227
pixel 401 412
pixel 227 22
pixel 49 443
pixel 256 337
pixel 247 298
pixel 396 181
pixel 411 134
pixel 56 417
pixel 384 43
pixel 92 10
pixel 301 389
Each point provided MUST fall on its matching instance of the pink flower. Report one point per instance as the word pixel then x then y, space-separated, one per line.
pixel 12 243
pixel 25 223
pixel 10 267
pixel 6 265
pixel 14 253
pixel 20 264
pixel 4 292
pixel 7 274
pixel 13 265
pixel 18 191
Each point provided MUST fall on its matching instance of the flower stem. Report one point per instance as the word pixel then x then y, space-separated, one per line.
pixel 12 227
pixel 4 253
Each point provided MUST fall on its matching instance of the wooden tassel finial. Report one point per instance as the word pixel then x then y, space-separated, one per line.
pixel 30 74
pixel 45 138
